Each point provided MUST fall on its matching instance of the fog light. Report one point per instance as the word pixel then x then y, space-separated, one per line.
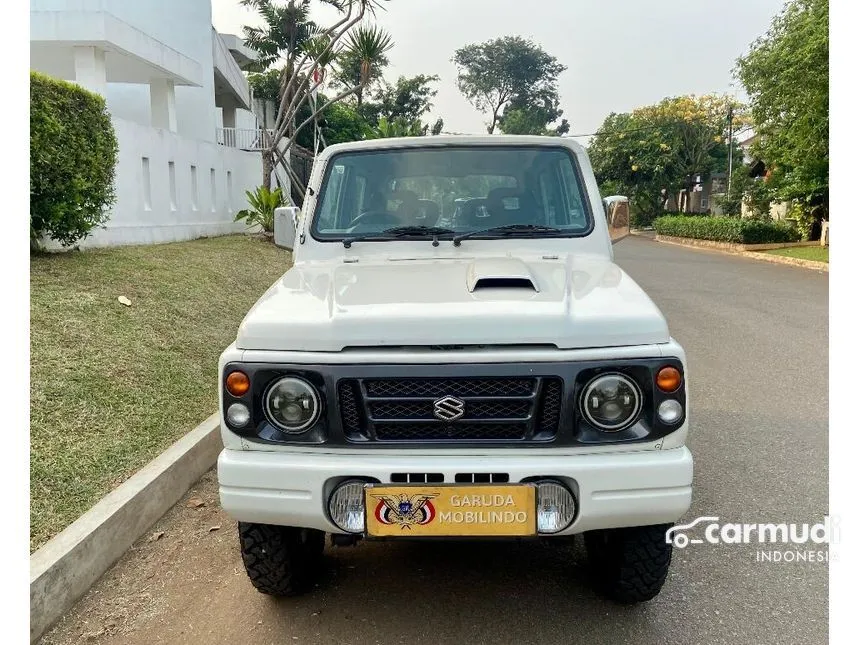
pixel 238 415
pixel 346 506
pixel 670 411
pixel 555 507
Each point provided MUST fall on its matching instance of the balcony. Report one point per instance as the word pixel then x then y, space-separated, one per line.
pixel 242 138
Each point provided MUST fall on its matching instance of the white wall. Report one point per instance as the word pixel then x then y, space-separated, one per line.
pixel 146 213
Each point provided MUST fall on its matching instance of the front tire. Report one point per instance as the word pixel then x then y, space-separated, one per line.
pixel 629 565
pixel 281 560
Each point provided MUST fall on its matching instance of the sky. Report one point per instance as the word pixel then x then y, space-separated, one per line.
pixel 620 54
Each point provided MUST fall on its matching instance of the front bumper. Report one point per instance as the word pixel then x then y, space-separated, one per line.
pixel 291 488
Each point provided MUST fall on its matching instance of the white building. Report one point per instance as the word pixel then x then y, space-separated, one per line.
pixel 179 104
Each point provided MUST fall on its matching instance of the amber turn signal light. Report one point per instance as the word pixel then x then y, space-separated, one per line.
pixel 668 379
pixel 238 383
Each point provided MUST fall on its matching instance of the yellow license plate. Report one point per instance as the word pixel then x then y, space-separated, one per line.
pixel 424 510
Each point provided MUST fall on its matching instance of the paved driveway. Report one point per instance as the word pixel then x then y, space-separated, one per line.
pixel 756 337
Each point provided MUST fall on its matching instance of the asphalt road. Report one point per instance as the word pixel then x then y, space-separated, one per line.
pixel 756 338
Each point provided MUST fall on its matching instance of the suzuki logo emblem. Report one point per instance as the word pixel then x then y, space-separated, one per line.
pixel 449 408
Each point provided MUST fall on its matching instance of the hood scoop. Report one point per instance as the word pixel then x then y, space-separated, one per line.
pixel 500 273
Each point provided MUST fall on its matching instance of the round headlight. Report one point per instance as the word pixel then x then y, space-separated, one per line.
pixel 292 404
pixel 611 402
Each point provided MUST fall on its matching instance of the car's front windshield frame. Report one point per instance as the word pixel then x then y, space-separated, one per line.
pixel 340 236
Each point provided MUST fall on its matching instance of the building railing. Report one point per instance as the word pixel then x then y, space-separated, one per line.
pixel 242 138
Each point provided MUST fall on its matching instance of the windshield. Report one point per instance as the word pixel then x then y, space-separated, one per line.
pixel 459 189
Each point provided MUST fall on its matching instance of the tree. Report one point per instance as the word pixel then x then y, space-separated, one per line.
pixel 348 72
pixel 696 130
pixel 497 73
pixel 785 75
pixel 657 150
pixel 409 98
pixel 307 49
pixel 531 114
pixel 437 127
pixel 364 57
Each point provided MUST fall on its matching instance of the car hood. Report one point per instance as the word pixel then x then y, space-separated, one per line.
pixel 567 302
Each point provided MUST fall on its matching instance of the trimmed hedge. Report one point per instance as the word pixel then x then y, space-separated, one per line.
pixel 726 229
pixel 73 153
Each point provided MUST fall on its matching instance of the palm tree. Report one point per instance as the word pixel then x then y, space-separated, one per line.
pixel 367 46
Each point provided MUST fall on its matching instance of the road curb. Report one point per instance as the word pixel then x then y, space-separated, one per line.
pixel 756 255
pixel 64 569
pixel 781 259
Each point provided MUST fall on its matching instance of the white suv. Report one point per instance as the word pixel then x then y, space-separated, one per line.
pixel 454 354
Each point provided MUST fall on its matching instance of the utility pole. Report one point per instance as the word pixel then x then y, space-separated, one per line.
pixel 731 134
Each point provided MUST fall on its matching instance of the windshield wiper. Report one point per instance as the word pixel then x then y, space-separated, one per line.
pixel 400 231
pixel 510 229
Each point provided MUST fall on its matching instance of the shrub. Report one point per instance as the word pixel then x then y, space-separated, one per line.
pixel 263 203
pixel 73 152
pixel 726 229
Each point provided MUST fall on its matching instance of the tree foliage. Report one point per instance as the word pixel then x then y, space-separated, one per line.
pixel 659 149
pixel 785 74
pixel 510 72
pixel 398 127
pixel 364 57
pixel 73 154
pixel 307 49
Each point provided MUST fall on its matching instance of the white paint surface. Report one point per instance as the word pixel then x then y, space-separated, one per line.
pixel 156 62
pixel 144 214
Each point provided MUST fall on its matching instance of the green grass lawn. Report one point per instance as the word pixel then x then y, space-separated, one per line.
pixel 817 253
pixel 112 386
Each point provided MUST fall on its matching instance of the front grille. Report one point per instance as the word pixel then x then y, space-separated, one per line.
pixel 493 409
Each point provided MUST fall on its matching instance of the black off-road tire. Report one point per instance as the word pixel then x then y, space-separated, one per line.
pixel 281 560
pixel 629 565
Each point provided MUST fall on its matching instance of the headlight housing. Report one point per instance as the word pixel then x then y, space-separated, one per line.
pixel 611 402
pixel 292 404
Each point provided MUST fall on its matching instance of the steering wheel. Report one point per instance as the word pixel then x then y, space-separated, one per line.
pixel 379 220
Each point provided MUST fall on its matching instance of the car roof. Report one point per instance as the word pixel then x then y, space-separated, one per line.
pixel 443 140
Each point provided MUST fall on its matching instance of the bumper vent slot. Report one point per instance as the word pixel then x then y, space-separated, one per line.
pixel 417 478
pixel 482 478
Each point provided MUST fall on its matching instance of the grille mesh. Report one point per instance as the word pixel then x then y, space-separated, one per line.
pixel 347 392
pixel 396 388
pixel 550 406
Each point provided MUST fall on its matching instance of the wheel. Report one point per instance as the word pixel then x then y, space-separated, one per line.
pixel 629 565
pixel 281 560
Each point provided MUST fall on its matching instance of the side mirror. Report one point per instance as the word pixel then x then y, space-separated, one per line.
pixel 617 211
pixel 286 225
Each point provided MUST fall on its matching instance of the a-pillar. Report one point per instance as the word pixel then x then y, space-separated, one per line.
pixel 90 69
pixel 162 99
